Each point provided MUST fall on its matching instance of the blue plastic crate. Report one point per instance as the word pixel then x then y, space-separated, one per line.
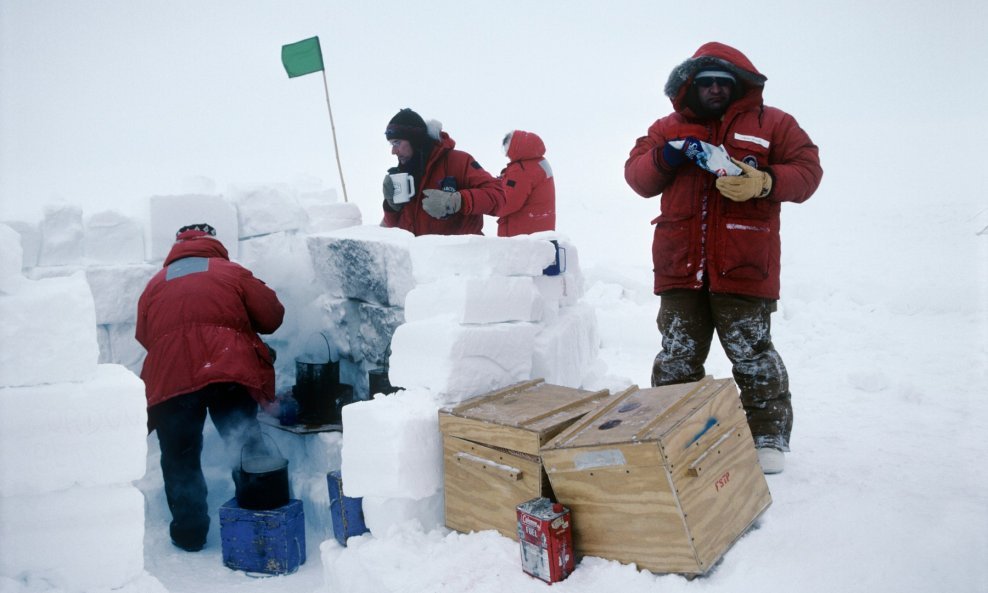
pixel 270 542
pixel 347 512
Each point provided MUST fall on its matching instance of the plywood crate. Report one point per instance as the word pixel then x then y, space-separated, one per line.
pixel 491 450
pixel 666 477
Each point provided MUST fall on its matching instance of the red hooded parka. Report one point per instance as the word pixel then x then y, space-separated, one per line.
pixel 529 188
pixel 700 233
pixel 447 168
pixel 199 318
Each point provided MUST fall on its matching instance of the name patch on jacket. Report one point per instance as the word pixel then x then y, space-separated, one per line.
pixel 186 266
pixel 753 139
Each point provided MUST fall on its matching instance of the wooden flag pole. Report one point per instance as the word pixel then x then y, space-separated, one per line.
pixel 332 125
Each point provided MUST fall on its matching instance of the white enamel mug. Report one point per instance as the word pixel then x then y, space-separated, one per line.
pixel 404 187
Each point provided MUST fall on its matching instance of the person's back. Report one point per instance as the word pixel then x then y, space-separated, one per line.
pixel 199 318
pixel 529 187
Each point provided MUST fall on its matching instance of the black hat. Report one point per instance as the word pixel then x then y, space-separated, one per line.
pixel 407 125
pixel 195 230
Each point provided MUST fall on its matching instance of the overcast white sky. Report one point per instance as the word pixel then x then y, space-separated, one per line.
pixel 104 103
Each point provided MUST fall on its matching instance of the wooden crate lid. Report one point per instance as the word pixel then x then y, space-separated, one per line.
pixel 520 417
pixel 637 415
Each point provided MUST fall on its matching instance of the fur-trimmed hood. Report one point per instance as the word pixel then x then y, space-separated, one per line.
pixel 713 55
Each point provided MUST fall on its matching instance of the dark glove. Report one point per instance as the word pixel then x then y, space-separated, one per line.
pixel 675 157
pixel 389 192
pixel 440 204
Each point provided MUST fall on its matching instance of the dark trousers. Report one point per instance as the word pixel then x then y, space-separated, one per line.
pixel 687 320
pixel 179 422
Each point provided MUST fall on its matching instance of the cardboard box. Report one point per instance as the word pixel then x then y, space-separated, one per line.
pixel 269 542
pixel 666 477
pixel 491 450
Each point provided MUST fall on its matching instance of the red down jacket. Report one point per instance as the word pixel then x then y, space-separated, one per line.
pixel 700 233
pixel 199 318
pixel 480 193
pixel 529 188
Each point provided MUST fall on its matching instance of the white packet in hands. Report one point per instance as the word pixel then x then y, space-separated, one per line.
pixel 714 159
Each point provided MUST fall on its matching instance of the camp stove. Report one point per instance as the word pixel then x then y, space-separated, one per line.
pixel 546 539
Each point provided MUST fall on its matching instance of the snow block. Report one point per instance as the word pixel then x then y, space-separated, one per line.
pixel 92 539
pixel 11 259
pixel 116 290
pixel 30 239
pixel 347 512
pixel 62 236
pixel 266 209
pixel 470 300
pixel 392 447
pixel 124 349
pixel 170 213
pixel 566 349
pixel 436 256
pixel 62 435
pixel 384 515
pixel 53 324
pixel 460 361
pixel 370 264
pixel 326 214
pixel 112 238
pixel 269 542
pixel 361 331
pixel 282 261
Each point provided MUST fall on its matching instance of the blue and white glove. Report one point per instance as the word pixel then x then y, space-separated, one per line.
pixel 675 157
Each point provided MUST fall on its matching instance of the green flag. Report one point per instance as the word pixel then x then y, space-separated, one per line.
pixel 302 57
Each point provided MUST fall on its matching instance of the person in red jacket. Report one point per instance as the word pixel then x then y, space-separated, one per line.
pixel 529 187
pixel 716 247
pixel 452 190
pixel 199 319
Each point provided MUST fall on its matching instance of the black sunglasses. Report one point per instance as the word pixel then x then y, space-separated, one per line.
pixel 708 81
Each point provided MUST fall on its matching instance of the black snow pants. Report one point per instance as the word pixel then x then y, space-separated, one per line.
pixel 687 320
pixel 179 422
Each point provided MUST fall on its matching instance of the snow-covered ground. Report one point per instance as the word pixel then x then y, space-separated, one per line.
pixel 882 322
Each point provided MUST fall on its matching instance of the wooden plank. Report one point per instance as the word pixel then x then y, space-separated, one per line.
pixel 521 417
pixel 465 409
pixel 481 496
pixel 505 437
pixel 570 436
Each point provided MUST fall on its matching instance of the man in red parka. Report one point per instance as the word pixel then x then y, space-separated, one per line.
pixel 199 319
pixel 529 188
pixel 452 190
pixel 716 248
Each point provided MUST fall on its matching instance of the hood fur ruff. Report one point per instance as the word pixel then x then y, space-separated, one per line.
pixel 702 60
pixel 434 127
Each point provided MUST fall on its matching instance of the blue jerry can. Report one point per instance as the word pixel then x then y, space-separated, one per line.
pixel 347 512
pixel 265 541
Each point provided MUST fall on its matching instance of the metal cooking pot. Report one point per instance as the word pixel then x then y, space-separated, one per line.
pixel 262 478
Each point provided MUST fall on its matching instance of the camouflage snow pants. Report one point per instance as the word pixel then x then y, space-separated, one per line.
pixel 687 320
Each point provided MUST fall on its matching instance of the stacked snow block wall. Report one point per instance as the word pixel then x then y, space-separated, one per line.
pixel 479 314
pixel 72 439
pixel 262 227
pixel 364 274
